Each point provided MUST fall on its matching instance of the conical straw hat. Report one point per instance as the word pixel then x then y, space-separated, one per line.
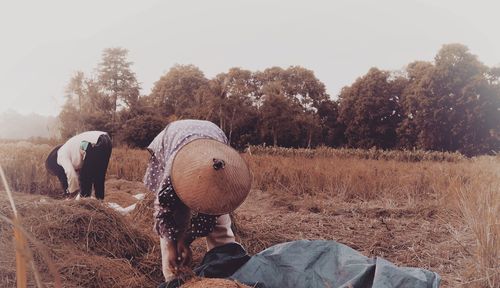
pixel 210 177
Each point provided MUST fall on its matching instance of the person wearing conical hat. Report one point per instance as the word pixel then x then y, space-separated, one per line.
pixel 197 179
pixel 81 163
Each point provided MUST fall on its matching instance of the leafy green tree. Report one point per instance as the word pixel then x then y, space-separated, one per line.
pixel 304 88
pixel 141 123
pixel 117 81
pixel 298 84
pixel 93 103
pixel 478 132
pixel 142 129
pixel 233 105
pixel 370 110
pixel 278 116
pixel 419 77
pixel 300 95
pixel 332 130
pixel 86 108
pixel 183 92
pixel 309 124
pixel 451 105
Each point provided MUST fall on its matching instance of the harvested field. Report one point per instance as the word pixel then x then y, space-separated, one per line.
pixel 441 216
pixel 96 247
pixel 123 192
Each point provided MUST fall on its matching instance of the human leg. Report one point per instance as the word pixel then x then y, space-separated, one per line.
pixel 165 267
pixel 102 153
pixel 86 174
pixel 222 234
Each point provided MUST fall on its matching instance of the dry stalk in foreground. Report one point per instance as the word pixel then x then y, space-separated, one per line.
pixel 21 245
pixel 24 254
pixel 480 206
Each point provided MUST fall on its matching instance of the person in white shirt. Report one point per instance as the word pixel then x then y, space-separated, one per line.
pixel 81 163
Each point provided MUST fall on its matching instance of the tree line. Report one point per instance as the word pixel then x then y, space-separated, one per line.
pixel 449 104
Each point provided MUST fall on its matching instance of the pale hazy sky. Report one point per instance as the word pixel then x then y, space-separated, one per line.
pixel 44 42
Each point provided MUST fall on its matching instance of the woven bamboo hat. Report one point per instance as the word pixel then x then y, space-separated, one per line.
pixel 210 177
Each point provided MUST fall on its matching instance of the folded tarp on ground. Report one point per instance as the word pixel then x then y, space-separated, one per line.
pixel 319 263
pixel 307 263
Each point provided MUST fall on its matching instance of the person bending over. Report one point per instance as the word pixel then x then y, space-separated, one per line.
pixel 197 179
pixel 81 163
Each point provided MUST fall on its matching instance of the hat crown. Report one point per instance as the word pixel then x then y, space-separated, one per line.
pixel 218 164
pixel 210 177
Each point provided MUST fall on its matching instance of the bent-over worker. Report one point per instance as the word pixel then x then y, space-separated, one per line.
pixel 197 179
pixel 81 163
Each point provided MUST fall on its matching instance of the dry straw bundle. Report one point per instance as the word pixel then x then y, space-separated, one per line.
pixel 93 245
pixel 23 253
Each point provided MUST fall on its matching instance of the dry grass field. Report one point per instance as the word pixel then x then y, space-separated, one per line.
pixel 437 211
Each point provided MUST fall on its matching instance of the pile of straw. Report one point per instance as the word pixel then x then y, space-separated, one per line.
pixel 92 245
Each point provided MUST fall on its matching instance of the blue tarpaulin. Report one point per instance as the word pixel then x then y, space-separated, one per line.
pixel 319 263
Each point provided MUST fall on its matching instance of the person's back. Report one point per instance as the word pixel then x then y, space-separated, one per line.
pixel 81 162
pixel 166 144
pixel 71 150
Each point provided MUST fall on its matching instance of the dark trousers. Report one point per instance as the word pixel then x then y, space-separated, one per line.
pixel 95 164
